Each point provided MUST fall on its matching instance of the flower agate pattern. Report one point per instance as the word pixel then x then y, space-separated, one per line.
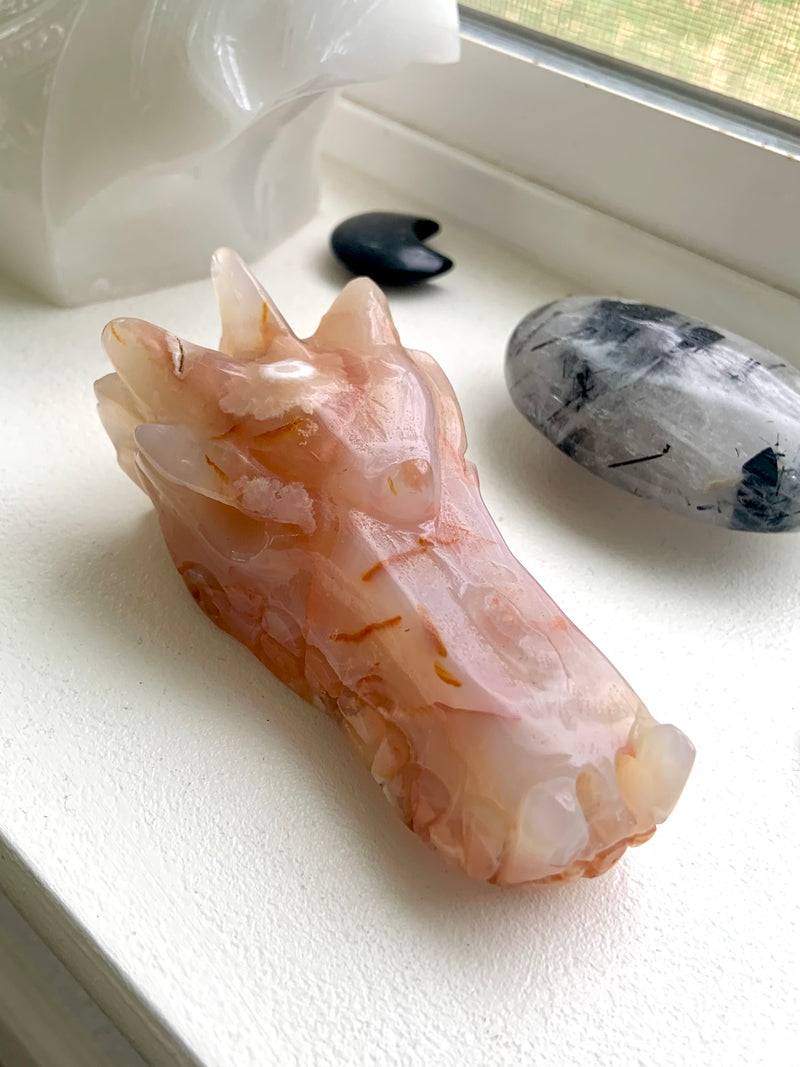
pixel 315 497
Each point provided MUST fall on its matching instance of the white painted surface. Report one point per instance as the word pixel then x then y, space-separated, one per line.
pixel 698 187
pixel 598 252
pixel 46 1018
pixel 210 859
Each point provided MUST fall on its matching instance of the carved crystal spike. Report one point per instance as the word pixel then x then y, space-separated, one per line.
pixel 697 419
pixel 315 497
pixel 135 137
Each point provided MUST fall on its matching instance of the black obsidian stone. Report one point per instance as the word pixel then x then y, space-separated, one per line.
pixel 389 248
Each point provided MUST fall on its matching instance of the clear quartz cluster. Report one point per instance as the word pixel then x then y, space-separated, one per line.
pixel 315 497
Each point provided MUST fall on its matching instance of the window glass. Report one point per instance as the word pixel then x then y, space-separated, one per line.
pixel 741 48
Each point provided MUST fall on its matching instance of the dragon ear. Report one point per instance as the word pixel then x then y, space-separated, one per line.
pixel 358 319
pixel 250 321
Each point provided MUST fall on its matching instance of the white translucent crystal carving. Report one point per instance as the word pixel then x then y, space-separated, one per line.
pixel 136 137
pixel 316 499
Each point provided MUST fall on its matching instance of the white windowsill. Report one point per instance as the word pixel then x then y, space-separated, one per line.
pixel 596 251
pixel 696 186
pixel 203 850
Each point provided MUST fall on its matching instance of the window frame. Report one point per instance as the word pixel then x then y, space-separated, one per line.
pixel 680 164
pixel 747 122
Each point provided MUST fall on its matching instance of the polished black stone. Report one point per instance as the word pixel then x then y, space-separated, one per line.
pixel 389 248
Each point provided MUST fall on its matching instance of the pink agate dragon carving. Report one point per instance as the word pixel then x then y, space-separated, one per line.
pixel 315 497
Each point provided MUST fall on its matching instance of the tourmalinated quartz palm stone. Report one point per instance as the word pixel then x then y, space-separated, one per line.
pixel 697 419
pixel 315 498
